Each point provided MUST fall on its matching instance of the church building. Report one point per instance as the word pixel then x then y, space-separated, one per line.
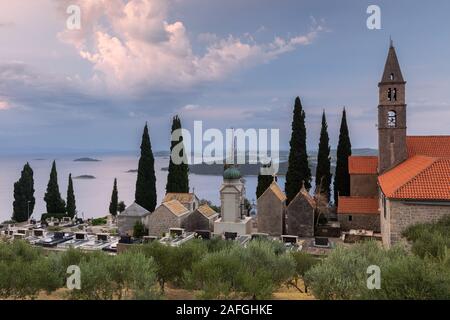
pixel 412 177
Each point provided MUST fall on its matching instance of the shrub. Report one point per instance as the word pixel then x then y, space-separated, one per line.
pixel 237 272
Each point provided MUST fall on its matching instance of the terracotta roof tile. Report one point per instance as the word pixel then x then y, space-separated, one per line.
pixel 207 211
pixel 182 197
pixel 363 165
pixel 175 207
pixel 431 146
pixel 418 178
pixel 357 205
pixel 276 190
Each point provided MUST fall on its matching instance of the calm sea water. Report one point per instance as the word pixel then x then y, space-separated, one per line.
pixel 93 196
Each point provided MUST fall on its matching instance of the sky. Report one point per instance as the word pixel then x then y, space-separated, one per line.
pixel 234 63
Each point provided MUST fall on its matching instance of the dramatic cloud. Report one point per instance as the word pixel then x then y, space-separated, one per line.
pixel 133 47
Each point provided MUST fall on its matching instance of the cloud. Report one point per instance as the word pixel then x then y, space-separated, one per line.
pixel 4 105
pixel 134 48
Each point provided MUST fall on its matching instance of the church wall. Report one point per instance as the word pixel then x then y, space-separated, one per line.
pixel 363 185
pixel 402 214
pixel 270 214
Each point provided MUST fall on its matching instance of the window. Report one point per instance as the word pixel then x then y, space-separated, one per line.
pixel 384 206
pixel 389 94
pixel 350 218
pixel 391 76
pixel 394 94
pixel 392 119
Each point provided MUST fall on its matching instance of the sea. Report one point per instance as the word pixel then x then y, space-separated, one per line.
pixel 93 195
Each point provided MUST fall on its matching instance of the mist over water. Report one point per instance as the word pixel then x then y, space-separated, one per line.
pixel 93 195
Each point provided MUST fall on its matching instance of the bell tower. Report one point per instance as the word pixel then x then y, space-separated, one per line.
pixel 391 115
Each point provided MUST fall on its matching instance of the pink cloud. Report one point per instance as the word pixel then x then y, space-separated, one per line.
pixel 133 47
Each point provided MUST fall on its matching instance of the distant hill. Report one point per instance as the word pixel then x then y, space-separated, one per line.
pixel 85 177
pixel 86 160
pixel 253 169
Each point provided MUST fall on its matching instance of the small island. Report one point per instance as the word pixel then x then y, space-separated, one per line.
pixel 86 160
pixel 85 177
pixel 132 171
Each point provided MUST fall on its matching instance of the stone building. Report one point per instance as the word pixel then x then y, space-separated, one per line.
pixel 128 218
pixel 413 172
pixel 233 217
pixel 300 215
pixel 189 200
pixel 201 219
pixel 170 214
pixel 360 209
pixel 271 211
pixel 359 213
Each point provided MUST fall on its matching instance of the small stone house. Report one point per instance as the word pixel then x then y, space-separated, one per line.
pixel 128 218
pixel 189 200
pixel 171 214
pixel 300 215
pixel 271 211
pixel 201 219
pixel 359 213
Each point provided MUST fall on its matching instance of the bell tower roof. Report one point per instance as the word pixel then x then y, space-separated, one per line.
pixel 392 71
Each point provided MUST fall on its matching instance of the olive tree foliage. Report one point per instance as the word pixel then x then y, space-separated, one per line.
pixel 235 272
pixel 343 274
pixel 172 262
pixel 125 276
pixel 24 271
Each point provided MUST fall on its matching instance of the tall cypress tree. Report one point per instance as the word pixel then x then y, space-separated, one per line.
pixel 264 182
pixel 178 175
pixel 55 204
pixel 71 204
pixel 344 150
pixel 323 170
pixel 114 204
pixel 24 201
pixel 146 179
pixel 298 168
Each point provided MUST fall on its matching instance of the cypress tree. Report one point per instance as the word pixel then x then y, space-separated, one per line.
pixel 24 200
pixel 298 168
pixel 178 174
pixel 146 180
pixel 323 170
pixel 344 150
pixel 114 204
pixel 55 204
pixel 264 182
pixel 71 204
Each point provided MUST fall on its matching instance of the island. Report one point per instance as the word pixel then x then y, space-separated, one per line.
pixel 85 177
pixel 86 160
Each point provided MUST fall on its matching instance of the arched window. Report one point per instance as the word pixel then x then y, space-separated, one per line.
pixel 389 94
pixel 392 77
pixel 394 95
pixel 392 119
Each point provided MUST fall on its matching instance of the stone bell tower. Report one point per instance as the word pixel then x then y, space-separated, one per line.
pixel 391 115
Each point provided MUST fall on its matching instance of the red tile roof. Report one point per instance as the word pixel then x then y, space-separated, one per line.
pixel 431 146
pixel 357 205
pixel 362 165
pixel 418 178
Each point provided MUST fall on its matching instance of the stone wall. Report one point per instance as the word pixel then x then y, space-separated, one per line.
pixel 271 211
pixel 401 214
pixel 161 220
pixel 300 218
pixel 197 221
pixel 360 221
pixel 363 185
pixel 125 224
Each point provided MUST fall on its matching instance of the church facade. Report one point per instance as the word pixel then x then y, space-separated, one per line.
pixel 410 178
